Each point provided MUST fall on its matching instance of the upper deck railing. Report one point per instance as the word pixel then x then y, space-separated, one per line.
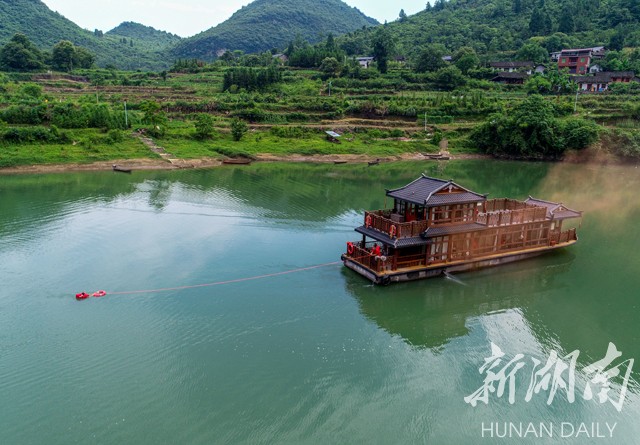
pixel 506 212
pixel 494 213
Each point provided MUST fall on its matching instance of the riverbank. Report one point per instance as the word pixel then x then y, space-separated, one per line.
pixel 592 155
pixel 175 164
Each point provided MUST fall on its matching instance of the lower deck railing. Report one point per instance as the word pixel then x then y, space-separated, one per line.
pixel 379 264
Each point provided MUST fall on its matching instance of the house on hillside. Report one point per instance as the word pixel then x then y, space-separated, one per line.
pixel 601 81
pixel 281 57
pixel 513 67
pixel 511 78
pixel 595 68
pixel 579 60
pixel 364 62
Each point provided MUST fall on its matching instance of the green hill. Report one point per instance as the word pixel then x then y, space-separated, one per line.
pixel 266 24
pixel 45 28
pixel 502 26
pixel 150 38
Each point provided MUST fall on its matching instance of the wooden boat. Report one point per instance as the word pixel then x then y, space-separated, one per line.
pixel 437 227
pixel 437 156
pixel 237 161
pixel 117 168
pixel 376 162
pixel 339 162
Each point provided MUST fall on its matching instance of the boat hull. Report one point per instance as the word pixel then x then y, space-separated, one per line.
pixel 419 273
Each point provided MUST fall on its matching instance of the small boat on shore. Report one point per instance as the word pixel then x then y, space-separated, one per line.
pixel 237 161
pixel 117 168
pixel 438 227
pixel 437 156
pixel 339 162
pixel 376 162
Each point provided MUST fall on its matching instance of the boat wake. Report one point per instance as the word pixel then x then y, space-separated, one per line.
pixel 454 279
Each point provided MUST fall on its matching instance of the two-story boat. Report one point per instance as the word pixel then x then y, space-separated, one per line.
pixel 438 226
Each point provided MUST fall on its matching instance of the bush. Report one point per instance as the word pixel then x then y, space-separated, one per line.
pixel 32 90
pixel 579 133
pixel 204 126
pixel 69 116
pixel 238 129
pixel 30 134
pixel 531 130
pixel 115 136
pixel 24 115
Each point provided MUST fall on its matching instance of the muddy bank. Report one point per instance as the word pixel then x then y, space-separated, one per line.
pixel 174 164
pixel 589 156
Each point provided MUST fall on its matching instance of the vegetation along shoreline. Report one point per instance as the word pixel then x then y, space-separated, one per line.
pixel 523 84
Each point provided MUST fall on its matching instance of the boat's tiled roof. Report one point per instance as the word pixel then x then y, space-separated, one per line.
pixel 393 242
pixel 455 198
pixel 555 210
pixel 423 191
pixel 422 239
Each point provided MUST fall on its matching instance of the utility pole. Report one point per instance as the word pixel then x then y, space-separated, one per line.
pixel 575 103
pixel 126 117
pixel 329 88
pixel 425 121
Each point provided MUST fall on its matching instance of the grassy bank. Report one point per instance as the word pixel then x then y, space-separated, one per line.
pixel 101 116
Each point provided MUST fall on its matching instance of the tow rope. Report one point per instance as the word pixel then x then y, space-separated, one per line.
pixel 102 293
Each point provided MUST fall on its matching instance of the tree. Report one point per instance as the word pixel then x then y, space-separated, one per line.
pixel 540 22
pixel 154 116
pixel 525 131
pixel 330 44
pixel 566 23
pixel 466 59
pixel 402 16
pixel 238 129
pixel 204 126
pixel 66 56
pixel 20 54
pixel 382 48
pixel 331 67
pixel 560 80
pixel 532 52
pixel 517 6
pixel 449 78
pixel 82 58
pixel 62 55
pixel 616 42
pixel 538 84
pixel 430 58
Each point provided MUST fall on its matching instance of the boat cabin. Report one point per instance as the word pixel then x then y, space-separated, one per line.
pixel 436 224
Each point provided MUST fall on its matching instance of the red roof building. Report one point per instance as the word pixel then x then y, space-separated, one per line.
pixel 578 60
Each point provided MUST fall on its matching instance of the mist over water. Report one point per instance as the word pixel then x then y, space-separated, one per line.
pixel 316 356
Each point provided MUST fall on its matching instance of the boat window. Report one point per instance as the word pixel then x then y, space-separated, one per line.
pixel 400 207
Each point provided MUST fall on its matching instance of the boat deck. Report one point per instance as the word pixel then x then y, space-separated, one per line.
pixel 382 272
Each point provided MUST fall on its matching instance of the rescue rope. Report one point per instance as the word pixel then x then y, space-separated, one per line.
pixel 217 283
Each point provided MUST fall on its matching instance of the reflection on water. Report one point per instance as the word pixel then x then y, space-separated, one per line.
pixel 433 312
pixel 319 356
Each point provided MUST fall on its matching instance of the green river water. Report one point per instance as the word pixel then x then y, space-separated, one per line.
pixel 318 356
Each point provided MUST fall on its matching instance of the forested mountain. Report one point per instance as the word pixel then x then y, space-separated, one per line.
pixel 498 26
pixel 146 36
pixel 45 28
pixel 266 24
